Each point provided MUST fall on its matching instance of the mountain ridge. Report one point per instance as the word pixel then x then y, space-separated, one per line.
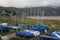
pixel 48 11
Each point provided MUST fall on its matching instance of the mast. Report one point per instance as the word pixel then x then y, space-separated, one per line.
pixel 42 18
pixel 30 15
pixel 37 18
pixel 34 16
pixel 35 21
pixel 23 16
pixel 17 17
pixel 12 17
pixel 27 16
pixel 38 15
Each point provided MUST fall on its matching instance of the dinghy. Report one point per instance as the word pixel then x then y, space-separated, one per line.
pixel 41 28
pixel 54 36
pixel 28 33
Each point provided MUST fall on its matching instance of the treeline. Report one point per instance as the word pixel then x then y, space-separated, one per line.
pixel 37 11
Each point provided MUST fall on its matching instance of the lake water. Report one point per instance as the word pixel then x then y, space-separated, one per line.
pixel 45 17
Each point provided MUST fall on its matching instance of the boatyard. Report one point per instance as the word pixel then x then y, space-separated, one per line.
pixel 52 24
pixel 29 20
pixel 29 28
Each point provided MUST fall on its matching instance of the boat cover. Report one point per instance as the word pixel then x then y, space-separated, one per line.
pixel 22 25
pixel 28 33
pixel 1 27
pixel 44 37
pixel 41 28
pixel 54 36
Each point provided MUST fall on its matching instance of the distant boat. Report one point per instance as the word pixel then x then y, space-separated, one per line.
pixel 54 36
pixel 22 25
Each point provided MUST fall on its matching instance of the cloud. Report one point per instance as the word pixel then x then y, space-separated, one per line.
pixel 28 3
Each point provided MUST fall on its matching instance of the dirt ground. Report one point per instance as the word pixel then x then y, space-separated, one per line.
pixel 54 23
pixel 8 36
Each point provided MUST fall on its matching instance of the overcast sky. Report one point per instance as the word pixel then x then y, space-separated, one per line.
pixel 28 3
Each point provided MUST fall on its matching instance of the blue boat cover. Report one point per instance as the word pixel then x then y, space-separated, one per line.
pixel 40 28
pixel 56 34
pixel 8 27
pixel 44 37
pixel 4 27
pixel 26 34
pixel 1 27
pixel 22 25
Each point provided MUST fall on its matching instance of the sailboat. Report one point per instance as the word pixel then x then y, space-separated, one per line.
pixel 33 31
pixel 28 33
pixel 54 36
pixel 40 27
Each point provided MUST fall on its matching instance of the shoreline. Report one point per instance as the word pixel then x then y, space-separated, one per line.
pixel 45 17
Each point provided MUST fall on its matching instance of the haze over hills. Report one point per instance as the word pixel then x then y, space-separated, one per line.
pixel 30 11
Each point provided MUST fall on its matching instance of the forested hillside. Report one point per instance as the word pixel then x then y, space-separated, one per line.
pixel 12 11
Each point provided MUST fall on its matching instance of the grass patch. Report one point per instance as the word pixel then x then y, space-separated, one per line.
pixel 29 22
pixel 6 33
pixel 14 39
